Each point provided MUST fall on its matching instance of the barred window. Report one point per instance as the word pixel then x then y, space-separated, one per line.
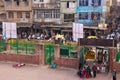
pixel 19 14
pixel 10 14
pixel 83 2
pixel 83 15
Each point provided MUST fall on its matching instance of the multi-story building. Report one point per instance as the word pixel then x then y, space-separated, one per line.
pixel 90 11
pixel 2 14
pixel 2 11
pixel 68 10
pixel 113 18
pixel 46 13
pixel 19 11
pixel 68 14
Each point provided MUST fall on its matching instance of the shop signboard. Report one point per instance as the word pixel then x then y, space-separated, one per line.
pixel 87 22
pixel 91 9
pixel 97 42
pixel 102 26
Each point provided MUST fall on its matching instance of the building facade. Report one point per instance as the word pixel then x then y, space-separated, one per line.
pixel 19 11
pixel 68 14
pixel 90 11
pixel 2 15
pixel 46 12
pixel 2 12
pixel 68 10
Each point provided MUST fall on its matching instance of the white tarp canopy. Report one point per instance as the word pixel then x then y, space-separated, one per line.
pixel 77 31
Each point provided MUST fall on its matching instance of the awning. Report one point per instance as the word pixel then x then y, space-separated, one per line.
pixel 66 30
pixel 24 25
pixel 93 27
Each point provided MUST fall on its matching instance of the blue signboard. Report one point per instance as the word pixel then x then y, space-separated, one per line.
pixel 91 9
pixel 87 22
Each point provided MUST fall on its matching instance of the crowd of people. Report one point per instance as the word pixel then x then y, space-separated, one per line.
pixel 44 36
pixel 87 72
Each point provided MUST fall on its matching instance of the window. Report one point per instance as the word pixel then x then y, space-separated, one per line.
pixel 10 15
pixel 19 14
pixel 83 2
pixel 41 0
pixel 70 4
pixel 40 14
pixel 56 14
pixel 67 4
pixel 42 5
pixel 27 14
pixel 96 2
pixel 26 2
pixel 68 51
pixel 68 17
pixel 17 2
pixel 48 14
pixel 8 3
pixel 97 15
pixel 83 15
pixel 2 16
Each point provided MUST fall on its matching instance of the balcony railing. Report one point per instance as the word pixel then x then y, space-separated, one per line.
pixel 54 20
pixel 46 6
pixel 2 19
pixel 20 20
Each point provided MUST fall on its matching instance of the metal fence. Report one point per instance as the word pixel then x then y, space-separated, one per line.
pixel 22 46
pixel 2 46
pixel 68 51
pixel 17 47
pixel 28 47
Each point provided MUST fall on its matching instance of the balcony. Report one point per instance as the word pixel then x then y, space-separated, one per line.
pixel 14 6
pixel 46 6
pixel 47 20
pixel 2 20
pixel 20 20
pixel 2 16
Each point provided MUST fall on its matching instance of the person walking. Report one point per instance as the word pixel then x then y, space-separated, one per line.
pixel 94 68
pixel 114 74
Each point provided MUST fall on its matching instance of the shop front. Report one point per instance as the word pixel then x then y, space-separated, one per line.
pixel 97 51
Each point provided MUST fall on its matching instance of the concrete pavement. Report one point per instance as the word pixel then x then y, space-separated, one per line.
pixel 33 72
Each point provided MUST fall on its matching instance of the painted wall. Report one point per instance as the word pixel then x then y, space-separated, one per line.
pixel 72 6
pixel 65 9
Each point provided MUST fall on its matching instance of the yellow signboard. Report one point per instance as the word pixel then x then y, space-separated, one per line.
pixel 90 56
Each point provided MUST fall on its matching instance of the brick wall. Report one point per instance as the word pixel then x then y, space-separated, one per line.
pixel 71 63
pixel 38 58
pixel 118 67
pixel 31 59
pixel 112 59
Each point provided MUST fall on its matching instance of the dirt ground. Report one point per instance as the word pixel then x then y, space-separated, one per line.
pixel 34 72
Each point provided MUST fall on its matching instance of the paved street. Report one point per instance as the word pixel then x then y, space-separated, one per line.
pixel 32 72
